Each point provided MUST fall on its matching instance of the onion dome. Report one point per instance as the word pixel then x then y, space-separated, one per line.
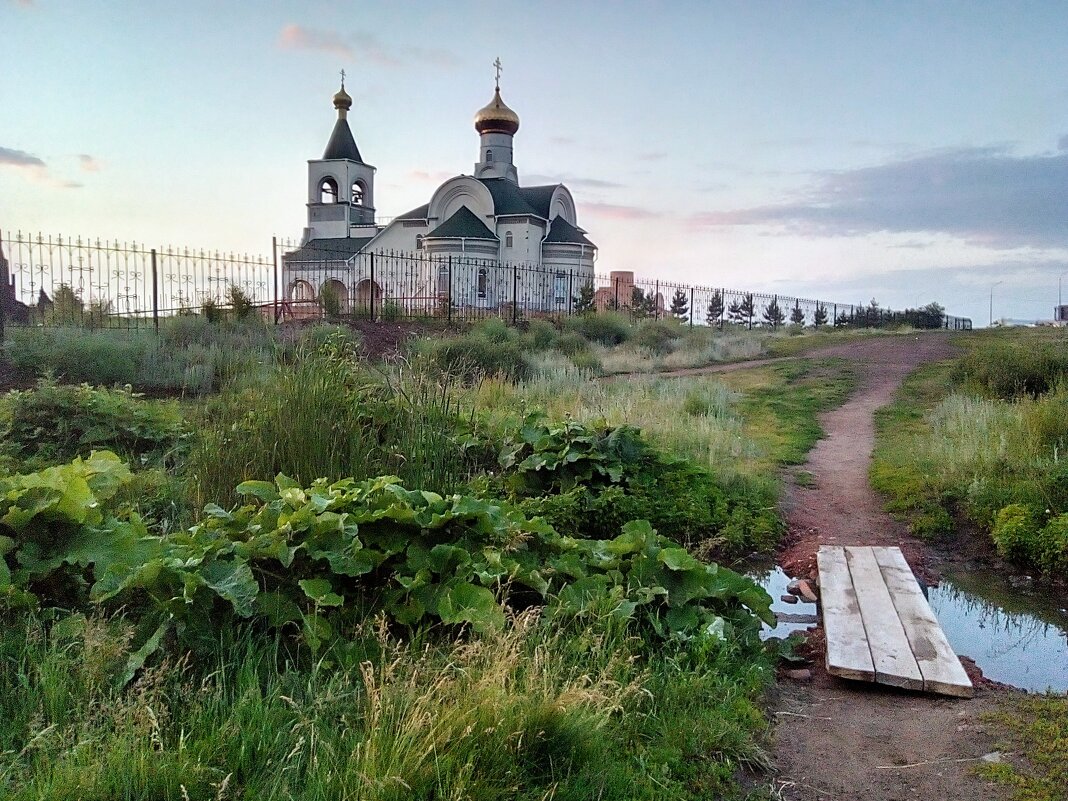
pixel 496 117
pixel 342 101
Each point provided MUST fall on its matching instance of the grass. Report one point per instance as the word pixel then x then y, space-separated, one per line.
pixel 944 450
pixel 190 356
pixel 528 713
pixel 539 710
pixel 1038 727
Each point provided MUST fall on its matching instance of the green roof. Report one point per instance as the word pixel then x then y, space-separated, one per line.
pixel 560 230
pixel 510 198
pixel 462 225
pixel 342 145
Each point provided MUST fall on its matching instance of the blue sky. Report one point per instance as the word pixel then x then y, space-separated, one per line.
pixel 903 151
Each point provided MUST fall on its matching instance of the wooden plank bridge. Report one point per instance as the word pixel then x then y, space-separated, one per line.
pixel 879 625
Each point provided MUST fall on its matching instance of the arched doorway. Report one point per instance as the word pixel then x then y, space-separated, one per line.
pixel 301 290
pixel 364 291
pixel 334 297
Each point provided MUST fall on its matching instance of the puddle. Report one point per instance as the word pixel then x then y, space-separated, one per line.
pixel 1015 631
pixel 774 581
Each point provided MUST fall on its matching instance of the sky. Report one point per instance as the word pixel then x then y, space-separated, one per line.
pixel 901 151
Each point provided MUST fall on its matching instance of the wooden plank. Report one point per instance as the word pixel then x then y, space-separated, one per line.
pixel 941 669
pixel 891 653
pixel 848 654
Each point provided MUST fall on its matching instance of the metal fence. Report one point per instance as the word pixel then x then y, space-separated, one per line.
pixel 106 283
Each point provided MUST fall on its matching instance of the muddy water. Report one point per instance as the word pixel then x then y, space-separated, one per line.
pixel 1015 629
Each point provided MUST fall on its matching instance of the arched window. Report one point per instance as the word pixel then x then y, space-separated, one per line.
pixel 508 239
pixel 483 276
pixel 419 241
pixel 328 190
pixel 489 156
pixel 357 194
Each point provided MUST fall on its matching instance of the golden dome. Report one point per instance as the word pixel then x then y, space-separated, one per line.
pixel 342 101
pixel 496 117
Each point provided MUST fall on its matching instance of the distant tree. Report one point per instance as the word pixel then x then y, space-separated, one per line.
pixel 735 314
pixel 748 309
pixel 209 307
pixel 67 307
pixel 797 317
pixel 680 304
pixel 239 301
pixel 583 302
pixel 842 320
pixel 330 300
pixel 773 314
pixel 714 312
pixel 931 316
pixel 639 305
pixel 819 317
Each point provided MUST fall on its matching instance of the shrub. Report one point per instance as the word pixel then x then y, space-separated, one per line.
pixel 493 330
pixel 571 343
pixel 56 423
pixel 391 311
pixel 490 349
pixel 1008 370
pixel 314 337
pixel 657 336
pixel 241 304
pixel 1015 532
pixel 540 335
pixel 605 328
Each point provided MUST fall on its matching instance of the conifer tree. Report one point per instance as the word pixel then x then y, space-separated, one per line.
pixel 819 317
pixel 748 309
pixel 797 317
pixel 680 304
pixel 773 313
pixel 714 312
pixel 583 302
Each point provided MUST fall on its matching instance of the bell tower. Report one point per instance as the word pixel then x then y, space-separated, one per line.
pixel 496 125
pixel 341 186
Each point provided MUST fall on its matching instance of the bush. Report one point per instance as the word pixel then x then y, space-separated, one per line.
pixel 1008 370
pixel 489 349
pixel 605 328
pixel 391 311
pixel 493 330
pixel 572 344
pixel 1015 532
pixel 56 423
pixel 540 335
pixel 657 336
pixel 314 337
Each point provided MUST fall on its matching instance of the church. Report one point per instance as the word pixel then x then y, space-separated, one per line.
pixel 483 241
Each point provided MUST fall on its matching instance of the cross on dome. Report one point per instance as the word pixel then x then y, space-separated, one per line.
pixel 497 66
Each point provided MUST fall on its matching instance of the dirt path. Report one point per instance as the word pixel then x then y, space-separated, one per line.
pixel 846 740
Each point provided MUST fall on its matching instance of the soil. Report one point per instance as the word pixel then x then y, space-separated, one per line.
pixel 852 740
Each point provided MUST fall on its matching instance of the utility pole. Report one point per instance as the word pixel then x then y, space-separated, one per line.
pixel 991 323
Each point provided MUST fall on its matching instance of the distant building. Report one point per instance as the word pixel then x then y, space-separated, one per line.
pixel 481 223
pixel 14 310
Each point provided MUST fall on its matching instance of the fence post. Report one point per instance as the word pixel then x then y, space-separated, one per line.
pixel 570 290
pixel 3 288
pixel 448 294
pixel 515 293
pixel 615 284
pixel 274 257
pixel 722 307
pixel 372 287
pixel 656 301
pixel 155 292
pixel 691 307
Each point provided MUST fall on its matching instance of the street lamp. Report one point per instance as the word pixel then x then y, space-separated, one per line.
pixel 998 283
pixel 1060 302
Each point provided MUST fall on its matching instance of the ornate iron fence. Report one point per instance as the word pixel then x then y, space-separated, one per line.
pixel 106 283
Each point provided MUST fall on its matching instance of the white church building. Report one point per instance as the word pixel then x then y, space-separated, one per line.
pixel 483 241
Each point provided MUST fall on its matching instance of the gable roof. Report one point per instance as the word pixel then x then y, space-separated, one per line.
pixel 560 230
pixel 463 224
pixel 415 214
pixel 342 145
pixel 510 198
pixel 340 249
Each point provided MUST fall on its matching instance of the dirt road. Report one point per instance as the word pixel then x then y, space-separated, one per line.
pixel 846 740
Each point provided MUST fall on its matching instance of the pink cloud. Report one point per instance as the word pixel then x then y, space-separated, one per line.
pixel 88 163
pixel 614 212
pixel 297 37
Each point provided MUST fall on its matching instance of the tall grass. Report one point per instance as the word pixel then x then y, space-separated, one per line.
pixel 189 356
pixel 526 713
pixel 326 416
